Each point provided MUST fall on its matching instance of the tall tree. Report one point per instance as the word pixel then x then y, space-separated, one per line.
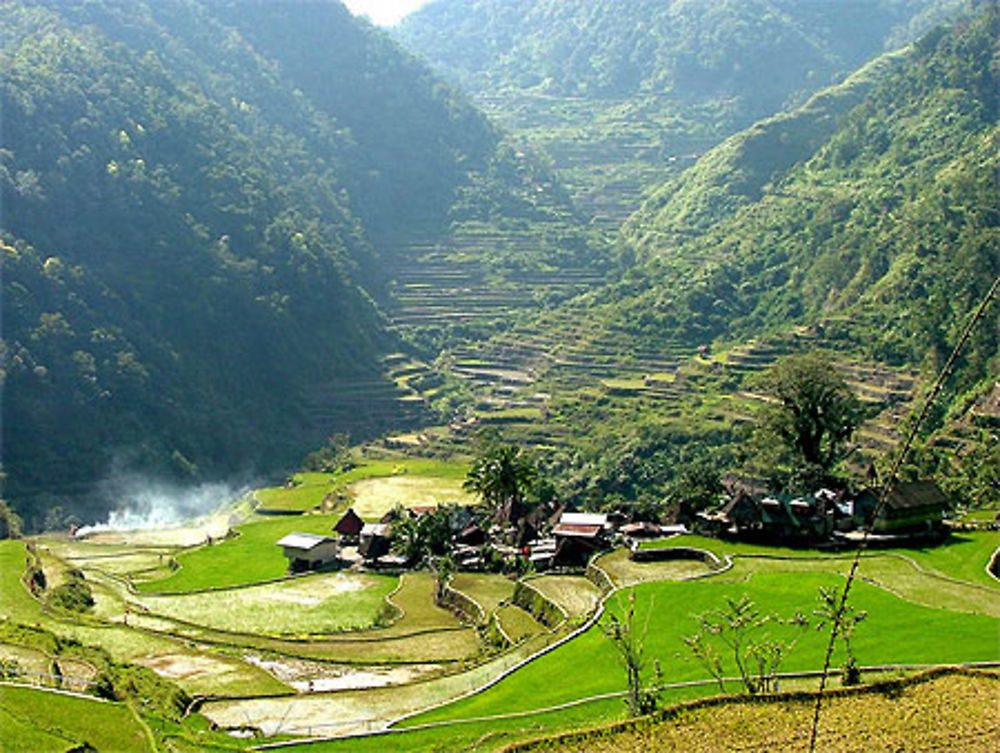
pixel 812 412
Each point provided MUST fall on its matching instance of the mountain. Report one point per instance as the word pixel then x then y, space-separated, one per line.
pixel 759 52
pixel 875 202
pixel 862 224
pixel 195 196
pixel 623 94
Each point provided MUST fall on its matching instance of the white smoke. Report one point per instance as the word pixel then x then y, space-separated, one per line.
pixel 144 503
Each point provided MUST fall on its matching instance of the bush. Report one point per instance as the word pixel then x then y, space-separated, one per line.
pixel 74 595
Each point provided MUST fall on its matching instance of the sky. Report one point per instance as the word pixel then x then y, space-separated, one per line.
pixel 384 12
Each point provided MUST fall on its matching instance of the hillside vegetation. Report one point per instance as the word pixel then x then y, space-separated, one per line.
pixel 195 225
pixel 885 231
pixel 757 52
pixel 862 223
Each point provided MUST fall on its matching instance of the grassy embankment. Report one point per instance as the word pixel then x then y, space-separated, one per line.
pixel 943 713
pixel 219 674
pixel 418 629
pixel 40 721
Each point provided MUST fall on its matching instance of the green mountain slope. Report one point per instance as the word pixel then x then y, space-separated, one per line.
pixel 760 52
pixel 193 225
pixel 891 219
pixel 863 224
pixel 623 94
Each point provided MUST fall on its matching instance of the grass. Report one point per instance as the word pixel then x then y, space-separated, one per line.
pixel 895 632
pixel 39 721
pixel 477 736
pixel 249 557
pixel 15 601
pixel 123 643
pixel 517 623
pixel 308 492
pixel 321 603
pixel 361 711
pixel 982 515
pixel 415 598
pixel 574 593
pixel 313 487
pixel 374 497
pixel 624 571
pixel 961 555
pixel 423 632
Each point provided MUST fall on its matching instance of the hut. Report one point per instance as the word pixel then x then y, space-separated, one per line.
pixel 375 541
pixel 308 551
pixel 577 536
pixel 910 507
pixel 349 527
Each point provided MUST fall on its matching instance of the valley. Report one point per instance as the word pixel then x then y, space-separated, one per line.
pixel 484 318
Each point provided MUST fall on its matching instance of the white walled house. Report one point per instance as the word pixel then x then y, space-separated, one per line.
pixel 308 551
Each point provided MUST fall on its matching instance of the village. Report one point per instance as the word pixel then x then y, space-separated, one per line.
pixel 552 537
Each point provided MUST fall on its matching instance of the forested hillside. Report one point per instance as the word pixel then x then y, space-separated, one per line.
pixel 622 94
pixel 757 52
pixel 862 224
pixel 886 211
pixel 878 226
pixel 193 198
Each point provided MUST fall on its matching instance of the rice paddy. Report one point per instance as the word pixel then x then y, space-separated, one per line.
pixel 345 651
pixel 321 603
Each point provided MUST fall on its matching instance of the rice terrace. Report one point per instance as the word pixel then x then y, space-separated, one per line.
pixel 499 375
pixel 388 658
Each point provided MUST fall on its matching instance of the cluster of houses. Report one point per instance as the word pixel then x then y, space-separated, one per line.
pixel 515 533
pixel 911 509
pixel 550 536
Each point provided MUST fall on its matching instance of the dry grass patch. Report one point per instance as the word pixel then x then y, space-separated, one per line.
pixel 486 589
pixel 625 572
pixel 313 604
pixel 517 623
pixel 374 497
pixel 949 713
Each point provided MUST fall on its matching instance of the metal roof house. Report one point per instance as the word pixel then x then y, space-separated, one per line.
pixel 577 536
pixel 308 551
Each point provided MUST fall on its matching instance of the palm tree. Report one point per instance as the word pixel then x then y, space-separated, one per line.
pixel 501 474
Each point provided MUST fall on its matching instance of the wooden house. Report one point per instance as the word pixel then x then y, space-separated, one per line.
pixel 742 513
pixel 308 551
pixel 577 536
pixel 349 527
pixel 374 541
pixel 910 507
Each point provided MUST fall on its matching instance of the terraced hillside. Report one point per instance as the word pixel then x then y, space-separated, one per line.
pixel 484 274
pixel 607 153
pixel 545 379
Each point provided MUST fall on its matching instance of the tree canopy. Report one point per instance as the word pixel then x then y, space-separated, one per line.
pixel 813 413
pixel 501 473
